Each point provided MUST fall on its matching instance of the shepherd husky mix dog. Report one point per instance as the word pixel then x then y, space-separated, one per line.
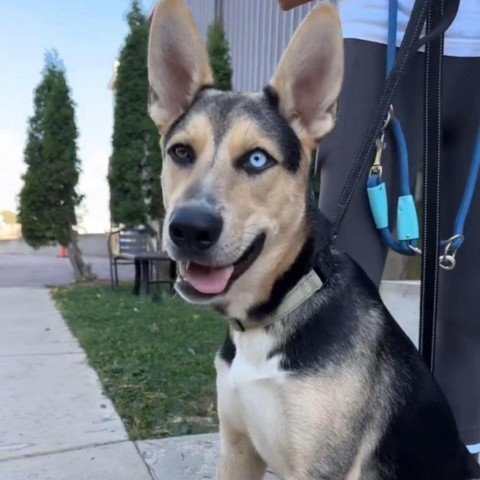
pixel 315 379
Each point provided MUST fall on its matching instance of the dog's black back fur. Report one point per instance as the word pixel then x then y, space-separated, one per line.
pixel 421 441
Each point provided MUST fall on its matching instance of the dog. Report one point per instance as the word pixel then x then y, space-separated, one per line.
pixel 315 378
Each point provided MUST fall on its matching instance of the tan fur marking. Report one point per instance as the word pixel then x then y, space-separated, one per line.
pixel 318 413
pixel 198 133
pixel 176 181
pixel 245 135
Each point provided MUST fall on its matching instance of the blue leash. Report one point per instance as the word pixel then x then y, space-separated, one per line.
pixel 407 219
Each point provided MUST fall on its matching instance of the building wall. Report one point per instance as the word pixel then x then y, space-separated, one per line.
pixel 91 245
pixel 258 31
pixel 203 12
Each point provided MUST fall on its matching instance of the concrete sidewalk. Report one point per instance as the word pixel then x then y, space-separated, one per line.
pixel 184 458
pixel 55 424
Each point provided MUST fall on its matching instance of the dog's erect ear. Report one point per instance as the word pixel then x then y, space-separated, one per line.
pixel 178 65
pixel 309 76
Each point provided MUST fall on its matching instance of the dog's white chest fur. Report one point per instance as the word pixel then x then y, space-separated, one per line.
pixel 250 392
pixel 292 422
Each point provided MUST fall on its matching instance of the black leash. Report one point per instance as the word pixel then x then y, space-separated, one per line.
pixel 431 188
pixel 441 14
pixel 410 44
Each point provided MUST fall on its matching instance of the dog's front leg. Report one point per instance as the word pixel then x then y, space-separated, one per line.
pixel 238 458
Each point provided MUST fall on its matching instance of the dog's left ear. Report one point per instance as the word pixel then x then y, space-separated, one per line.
pixel 178 65
pixel 309 76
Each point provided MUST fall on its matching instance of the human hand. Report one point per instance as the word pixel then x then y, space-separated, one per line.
pixel 289 4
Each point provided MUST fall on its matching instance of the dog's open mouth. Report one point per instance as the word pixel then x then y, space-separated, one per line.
pixel 209 280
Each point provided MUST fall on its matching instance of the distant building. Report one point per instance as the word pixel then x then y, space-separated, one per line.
pixel 9 228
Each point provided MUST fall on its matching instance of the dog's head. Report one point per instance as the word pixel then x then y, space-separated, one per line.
pixel 235 168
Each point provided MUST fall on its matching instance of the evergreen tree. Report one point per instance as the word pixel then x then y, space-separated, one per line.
pixel 218 51
pixel 48 197
pixel 135 164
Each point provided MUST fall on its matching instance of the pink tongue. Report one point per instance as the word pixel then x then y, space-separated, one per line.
pixel 208 280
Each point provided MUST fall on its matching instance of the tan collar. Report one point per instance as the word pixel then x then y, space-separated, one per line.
pixel 302 291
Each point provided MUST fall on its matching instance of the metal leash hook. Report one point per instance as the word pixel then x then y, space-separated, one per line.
pixel 447 260
pixel 376 168
pixel 389 118
pixel 415 250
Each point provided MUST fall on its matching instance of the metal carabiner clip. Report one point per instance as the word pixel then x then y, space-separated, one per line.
pixel 447 260
pixel 376 168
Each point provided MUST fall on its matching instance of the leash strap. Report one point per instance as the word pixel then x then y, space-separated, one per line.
pixel 431 185
pixel 411 42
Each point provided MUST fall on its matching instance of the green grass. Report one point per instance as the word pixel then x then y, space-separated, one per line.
pixel 155 360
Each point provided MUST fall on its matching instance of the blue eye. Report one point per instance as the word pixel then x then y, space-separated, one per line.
pixel 257 160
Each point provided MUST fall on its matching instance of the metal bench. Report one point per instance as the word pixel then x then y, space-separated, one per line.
pixel 123 245
pixel 144 264
pixel 138 247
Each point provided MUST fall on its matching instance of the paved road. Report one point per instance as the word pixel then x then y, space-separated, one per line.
pixel 41 271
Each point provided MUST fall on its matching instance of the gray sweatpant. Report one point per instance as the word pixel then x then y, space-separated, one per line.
pixel 458 334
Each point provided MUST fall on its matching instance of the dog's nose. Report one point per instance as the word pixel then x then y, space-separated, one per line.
pixel 196 228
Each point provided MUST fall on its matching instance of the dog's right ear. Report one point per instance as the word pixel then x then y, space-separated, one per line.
pixel 178 65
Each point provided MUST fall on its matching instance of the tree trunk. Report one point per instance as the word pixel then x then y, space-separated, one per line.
pixel 82 271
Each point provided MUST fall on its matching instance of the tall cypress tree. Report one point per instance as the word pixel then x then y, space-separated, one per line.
pixel 48 197
pixel 135 164
pixel 218 51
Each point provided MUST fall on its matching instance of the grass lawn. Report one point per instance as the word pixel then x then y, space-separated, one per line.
pixel 155 360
